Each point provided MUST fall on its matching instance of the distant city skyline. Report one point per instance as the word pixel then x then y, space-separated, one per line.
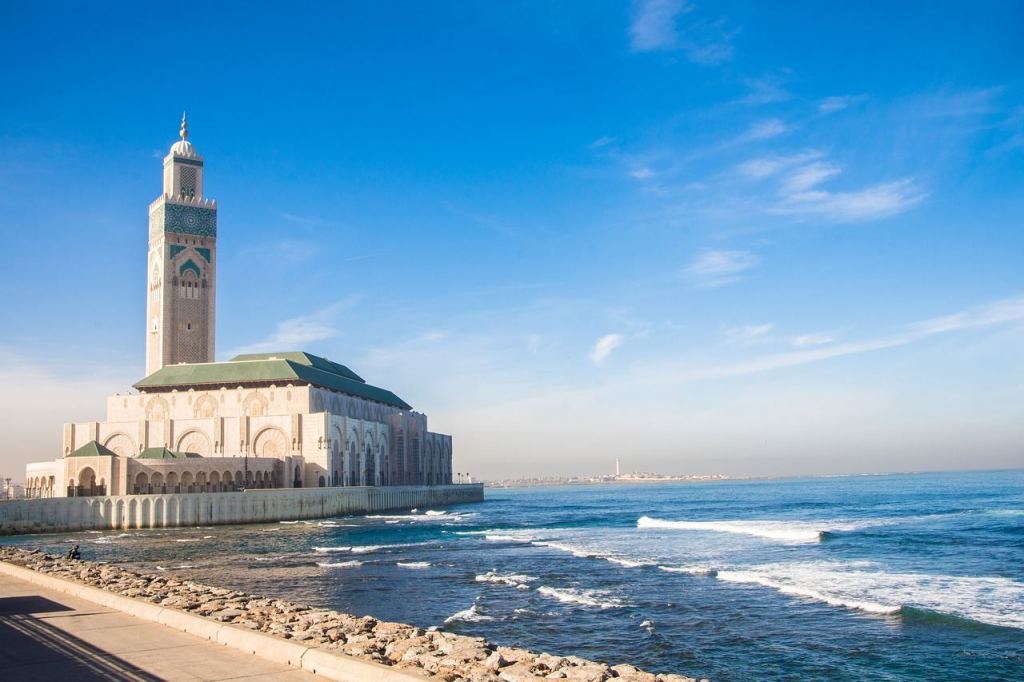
pixel 699 238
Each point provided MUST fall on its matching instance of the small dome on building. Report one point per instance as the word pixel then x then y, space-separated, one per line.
pixel 183 148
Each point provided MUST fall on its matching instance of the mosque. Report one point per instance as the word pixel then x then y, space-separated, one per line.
pixel 268 420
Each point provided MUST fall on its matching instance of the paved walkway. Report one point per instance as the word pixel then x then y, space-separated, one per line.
pixel 46 635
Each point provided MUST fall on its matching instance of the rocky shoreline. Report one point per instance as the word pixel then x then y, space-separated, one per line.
pixel 431 653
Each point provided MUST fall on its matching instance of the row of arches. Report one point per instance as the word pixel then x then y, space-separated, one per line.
pixel 40 486
pixel 365 465
pixel 147 483
pixel 158 511
pixel 268 442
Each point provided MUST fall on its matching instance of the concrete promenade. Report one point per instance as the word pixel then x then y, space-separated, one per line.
pixel 122 512
pixel 48 635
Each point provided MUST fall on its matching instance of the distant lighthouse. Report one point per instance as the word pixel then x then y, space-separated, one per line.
pixel 617 467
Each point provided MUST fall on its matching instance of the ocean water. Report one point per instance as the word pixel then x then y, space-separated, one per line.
pixel 892 577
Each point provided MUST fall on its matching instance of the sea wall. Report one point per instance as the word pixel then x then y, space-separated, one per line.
pixel 209 509
pixel 336 646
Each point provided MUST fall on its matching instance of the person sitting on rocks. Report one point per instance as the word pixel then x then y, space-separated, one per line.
pixel 75 554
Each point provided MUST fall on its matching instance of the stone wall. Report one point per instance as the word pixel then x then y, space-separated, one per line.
pixel 208 509
pixel 321 641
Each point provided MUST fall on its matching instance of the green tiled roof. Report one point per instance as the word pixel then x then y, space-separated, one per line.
pixel 280 368
pixel 93 449
pixel 303 358
pixel 164 453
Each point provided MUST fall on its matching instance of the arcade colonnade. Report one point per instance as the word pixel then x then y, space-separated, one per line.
pixel 216 508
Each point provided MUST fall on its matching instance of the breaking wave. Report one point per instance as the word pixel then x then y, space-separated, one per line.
pixel 584 553
pixel 363 549
pixel 629 563
pixel 107 539
pixel 783 531
pixel 413 564
pixel 572 595
pixel 504 538
pixel 340 564
pixel 512 580
pixel 798 591
pixel 429 515
pixel 470 615
pixel 989 600
pixel 691 570
pixel 575 551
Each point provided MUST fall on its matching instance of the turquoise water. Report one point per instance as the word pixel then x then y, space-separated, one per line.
pixel 893 577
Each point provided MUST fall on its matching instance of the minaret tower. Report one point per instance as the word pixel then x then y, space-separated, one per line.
pixel 180 299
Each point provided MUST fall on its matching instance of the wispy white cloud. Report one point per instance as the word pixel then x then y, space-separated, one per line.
pixel 766 166
pixel 425 346
pixel 809 176
pixel 801 192
pixel 870 203
pixel 656 27
pixel 764 130
pixel 717 268
pixel 654 24
pixel 642 173
pixel 815 339
pixel 985 315
pixel 997 312
pixel 300 219
pixel 837 103
pixel 604 347
pixel 749 334
pixel 958 104
pixel 665 372
pixel 767 89
pixel 295 332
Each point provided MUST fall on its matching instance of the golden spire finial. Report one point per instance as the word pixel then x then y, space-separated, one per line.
pixel 184 127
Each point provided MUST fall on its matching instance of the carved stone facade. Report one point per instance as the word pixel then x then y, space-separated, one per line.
pixel 181 293
pixel 270 420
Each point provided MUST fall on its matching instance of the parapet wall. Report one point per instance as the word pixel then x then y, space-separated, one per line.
pixel 64 514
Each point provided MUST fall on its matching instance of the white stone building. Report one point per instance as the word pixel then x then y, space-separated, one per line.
pixel 286 419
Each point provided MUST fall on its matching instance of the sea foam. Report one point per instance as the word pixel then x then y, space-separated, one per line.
pixel 690 570
pixel 512 579
pixel 470 615
pixel 991 600
pixel 504 538
pixel 782 531
pixel 572 595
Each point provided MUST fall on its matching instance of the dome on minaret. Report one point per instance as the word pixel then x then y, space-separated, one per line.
pixel 183 147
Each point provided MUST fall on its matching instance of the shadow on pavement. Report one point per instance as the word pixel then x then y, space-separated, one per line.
pixel 32 649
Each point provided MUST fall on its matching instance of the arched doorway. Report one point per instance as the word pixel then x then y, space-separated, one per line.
pixel 86 483
pixel 368 466
pixel 270 442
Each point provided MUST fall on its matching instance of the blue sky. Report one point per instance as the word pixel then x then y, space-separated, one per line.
pixel 748 238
